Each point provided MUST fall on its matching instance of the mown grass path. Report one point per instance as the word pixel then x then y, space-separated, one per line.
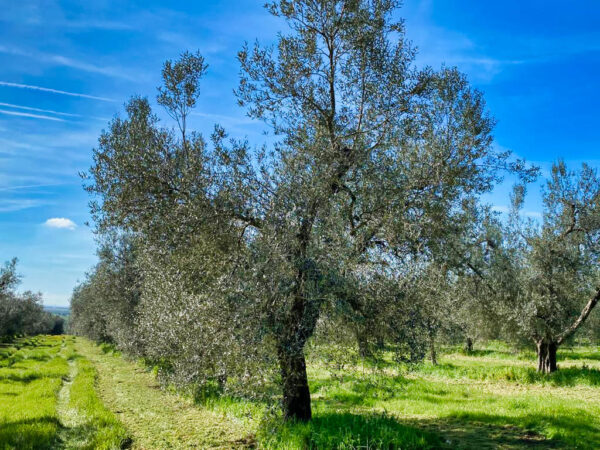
pixel 156 419
pixel 48 400
pixel 70 420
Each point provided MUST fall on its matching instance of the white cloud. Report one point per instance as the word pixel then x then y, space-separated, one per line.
pixel 534 214
pixel 60 222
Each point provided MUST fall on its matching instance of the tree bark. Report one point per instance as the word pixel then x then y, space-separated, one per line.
pixel 432 351
pixel 296 393
pixel 546 351
pixel 469 345
pixel 587 309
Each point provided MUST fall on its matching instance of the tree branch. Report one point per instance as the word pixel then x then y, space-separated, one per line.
pixel 587 309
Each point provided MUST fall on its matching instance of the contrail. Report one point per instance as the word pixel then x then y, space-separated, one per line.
pixel 29 108
pixel 54 91
pixel 34 116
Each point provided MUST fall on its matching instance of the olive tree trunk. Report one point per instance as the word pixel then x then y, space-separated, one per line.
pixel 469 345
pixel 296 393
pixel 546 351
pixel 432 351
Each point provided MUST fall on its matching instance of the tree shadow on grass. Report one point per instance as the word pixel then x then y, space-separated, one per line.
pixel 567 354
pixel 471 433
pixel 383 431
pixel 571 376
pixel 34 433
pixel 567 431
pixel 348 430
pixel 27 377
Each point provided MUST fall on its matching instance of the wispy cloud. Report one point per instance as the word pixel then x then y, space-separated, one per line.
pixel 54 91
pixel 30 115
pixel 65 61
pixel 29 186
pixel 60 222
pixel 49 111
pixel 10 205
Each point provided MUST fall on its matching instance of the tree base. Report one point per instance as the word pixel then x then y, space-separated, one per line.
pixel 296 393
pixel 546 351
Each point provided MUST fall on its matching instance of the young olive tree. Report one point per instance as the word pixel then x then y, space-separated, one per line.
pixel 555 278
pixel 371 160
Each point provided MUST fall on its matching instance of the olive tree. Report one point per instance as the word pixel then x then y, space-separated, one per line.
pixel 104 305
pixel 554 276
pixel 369 158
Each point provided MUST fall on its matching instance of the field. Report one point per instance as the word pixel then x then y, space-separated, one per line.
pixel 66 392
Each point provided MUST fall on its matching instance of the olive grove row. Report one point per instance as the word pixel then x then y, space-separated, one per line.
pixel 359 223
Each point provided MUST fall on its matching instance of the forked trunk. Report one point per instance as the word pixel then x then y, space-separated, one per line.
pixel 296 393
pixel 546 350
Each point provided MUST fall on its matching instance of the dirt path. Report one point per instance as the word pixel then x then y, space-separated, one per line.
pixel 156 419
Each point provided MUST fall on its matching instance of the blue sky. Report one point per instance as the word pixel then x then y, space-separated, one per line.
pixel 67 67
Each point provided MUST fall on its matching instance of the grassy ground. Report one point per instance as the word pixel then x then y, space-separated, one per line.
pixel 62 392
pixel 489 400
pixel 48 401
pixel 492 398
pixel 157 419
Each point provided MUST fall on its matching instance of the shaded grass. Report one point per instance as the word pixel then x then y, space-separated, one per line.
pixel 569 376
pixel 347 431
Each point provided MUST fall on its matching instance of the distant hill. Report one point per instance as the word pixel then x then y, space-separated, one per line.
pixel 58 310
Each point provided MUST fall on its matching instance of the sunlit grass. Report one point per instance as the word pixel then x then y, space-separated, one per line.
pixel 490 398
pixel 95 426
pixel 33 372
pixel 31 375
pixel 487 399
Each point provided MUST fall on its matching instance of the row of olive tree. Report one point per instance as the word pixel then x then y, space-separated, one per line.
pixel 529 280
pixel 22 313
pixel 552 281
pixel 242 253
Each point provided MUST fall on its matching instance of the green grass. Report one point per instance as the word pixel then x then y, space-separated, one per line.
pixel 488 399
pixel 58 392
pixel 97 427
pixel 157 419
pixel 31 373
pixel 41 407
pixel 491 398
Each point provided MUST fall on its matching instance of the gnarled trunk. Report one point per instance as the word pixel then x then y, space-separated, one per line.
pixel 546 351
pixel 296 393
